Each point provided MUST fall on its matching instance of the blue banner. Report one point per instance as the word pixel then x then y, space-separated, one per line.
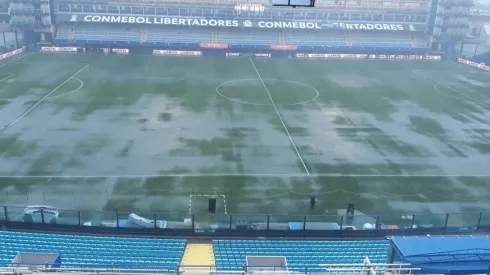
pixel 262 24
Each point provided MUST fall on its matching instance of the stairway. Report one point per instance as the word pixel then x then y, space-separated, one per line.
pixel 281 38
pixel 198 253
pixel 348 39
pixel 71 33
pixel 214 37
pixel 144 33
pixel 412 40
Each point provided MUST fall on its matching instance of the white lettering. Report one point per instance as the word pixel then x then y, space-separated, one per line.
pixel 236 23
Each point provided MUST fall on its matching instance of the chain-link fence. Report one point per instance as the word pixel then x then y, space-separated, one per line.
pixel 470 51
pixel 10 40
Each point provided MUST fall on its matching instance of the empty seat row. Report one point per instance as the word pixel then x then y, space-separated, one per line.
pixel 80 250
pixel 231 254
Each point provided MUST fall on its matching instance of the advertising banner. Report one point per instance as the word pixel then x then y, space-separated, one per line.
pixel 367 56
pixel 261 24
pixel 284 47
pixel 59 49
pixel 177 53
pixel 120 51
pixel 474 64
pixel 263 55
pixel 233 54
pixel 214 45
pixel 9 54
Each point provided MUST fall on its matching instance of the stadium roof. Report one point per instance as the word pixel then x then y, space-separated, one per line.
pixel 486 27
pixel 446 254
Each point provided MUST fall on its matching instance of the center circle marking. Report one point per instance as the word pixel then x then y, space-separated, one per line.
pixel 268 79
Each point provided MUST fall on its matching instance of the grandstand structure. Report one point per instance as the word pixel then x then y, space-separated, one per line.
pixel 30 253
pixel 406 28
pixel 333 25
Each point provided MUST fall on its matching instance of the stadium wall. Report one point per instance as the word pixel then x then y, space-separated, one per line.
pixel 216 50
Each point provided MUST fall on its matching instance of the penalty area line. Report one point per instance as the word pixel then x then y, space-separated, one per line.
pixel 8 76
pixel 303 175
pixel 12 61
pixel 42 99
pixel 452 89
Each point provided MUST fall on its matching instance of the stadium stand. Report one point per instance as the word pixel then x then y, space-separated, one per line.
pixel 178 35
pixel 107 32
pixel 419 42
pixel 247 37
pixel 78 251
pixel 313 38
pixel 230 254
pixel 366 39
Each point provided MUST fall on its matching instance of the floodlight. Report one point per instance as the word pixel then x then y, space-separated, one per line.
pixel 293 3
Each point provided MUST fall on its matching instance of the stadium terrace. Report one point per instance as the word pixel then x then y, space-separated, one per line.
pixel 237 137
pixel 233 23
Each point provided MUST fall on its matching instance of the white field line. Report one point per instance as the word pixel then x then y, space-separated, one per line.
pixel 299 175
pixel 224 203
pixel 17 59
pixel 10 75
pixel 452 89
pixel 207 195
pixel 443 93
pixel 42 99
pixel 280 118
pixel 70 92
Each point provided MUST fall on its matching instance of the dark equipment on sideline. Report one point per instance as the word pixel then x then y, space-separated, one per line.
pixel 313 197
pixel 351 208
pixel 293 3
pixel 212 205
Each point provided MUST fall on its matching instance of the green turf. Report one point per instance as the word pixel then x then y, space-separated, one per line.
pixel 145 133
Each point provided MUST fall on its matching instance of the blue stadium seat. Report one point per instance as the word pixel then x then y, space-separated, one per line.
pixel 231 254
pixel 247 36
pixel 78 251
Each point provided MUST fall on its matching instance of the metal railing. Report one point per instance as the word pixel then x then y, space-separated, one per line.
pixel 258 225
pixel 344 269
